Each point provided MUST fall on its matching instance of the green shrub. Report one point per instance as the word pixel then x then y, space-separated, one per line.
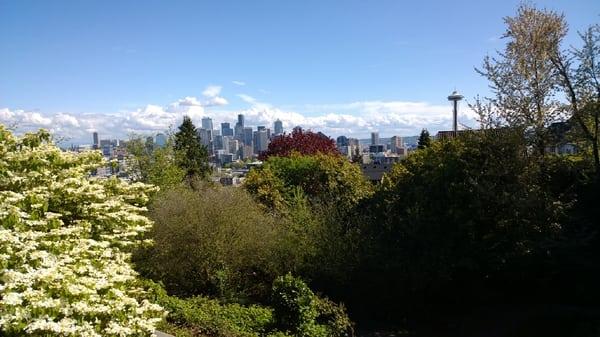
pixel 334 317
pixel 293 303
pixel 200 316
pixel 213 241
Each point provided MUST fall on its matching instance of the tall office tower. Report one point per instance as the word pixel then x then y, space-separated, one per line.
pixel 278 127
pixel 207 123
pixel 206 139
pixel 247 136
pixel 374 138
pixel 261 141
pixel 261 128
pixel 239 128
pixel 218 142
pixel 95 136
pixel 226 129
pixel 341 141
pixel 396 144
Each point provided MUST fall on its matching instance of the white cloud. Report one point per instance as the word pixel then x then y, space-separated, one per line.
pixel 240 83
pixel 212 91
pixel 247 98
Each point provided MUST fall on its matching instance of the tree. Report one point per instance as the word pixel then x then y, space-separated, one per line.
pixel 469 210
pixel 191 155
pixel 65 240
pixel 579 74
pixel 522 78
pixel 424 139
pixel 325 179
pixel 303 142
pixel 152 164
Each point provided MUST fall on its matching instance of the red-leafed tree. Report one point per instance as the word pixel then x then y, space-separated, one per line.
pixel 303 142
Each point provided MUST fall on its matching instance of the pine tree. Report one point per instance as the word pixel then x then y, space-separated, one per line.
pixel 192 156
pixel 424 139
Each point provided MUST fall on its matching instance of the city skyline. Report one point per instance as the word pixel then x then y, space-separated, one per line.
pixel 75 68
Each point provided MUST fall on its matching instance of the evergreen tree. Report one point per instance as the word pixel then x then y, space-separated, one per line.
pixel 424 139
pixel 191 155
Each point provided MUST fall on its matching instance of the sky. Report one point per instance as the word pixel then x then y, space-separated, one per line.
pixel 340 67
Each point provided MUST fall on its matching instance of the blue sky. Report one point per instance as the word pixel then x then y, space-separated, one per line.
pixel 346 67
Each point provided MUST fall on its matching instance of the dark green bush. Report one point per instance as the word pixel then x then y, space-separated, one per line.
pixel 293 303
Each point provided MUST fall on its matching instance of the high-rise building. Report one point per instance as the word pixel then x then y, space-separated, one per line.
pixel 247 137
pixel 278 127
pixel 341 141
pixel 218 142
pixel 247 152
pixel 261 140
pixel 95 136
pixel 226 129
pixel 397 145
pixel 207 123
pixel 374 138
pixel 206 138
pixel 239 128
pixel 234 146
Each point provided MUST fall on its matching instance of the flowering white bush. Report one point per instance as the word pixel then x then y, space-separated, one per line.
pixel 64 244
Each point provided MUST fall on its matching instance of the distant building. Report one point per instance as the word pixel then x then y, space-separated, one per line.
pixel 247 136
pixel 95 144
pixel 278 127
pixel 161 139
pixel 374 138
pixel 218 142
pixel 379 148
pixel 207 123
pixel 341 141
pixel 441 135
pixel 558 142
pixel 261 140
pixel 226 129
pixel 374 171
pixel 206 138
pixel 238 132
pixel 247 152
pixel 397 145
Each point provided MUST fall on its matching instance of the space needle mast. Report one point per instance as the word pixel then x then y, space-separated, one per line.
pixel 454 98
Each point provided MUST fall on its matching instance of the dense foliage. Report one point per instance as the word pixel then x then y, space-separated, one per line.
pixel 424 139
pixel 324 179
pixel 64 243
pixel 202 316
pixel 211 241
pixel 463 209
pixel 300 141
pixel 152 164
